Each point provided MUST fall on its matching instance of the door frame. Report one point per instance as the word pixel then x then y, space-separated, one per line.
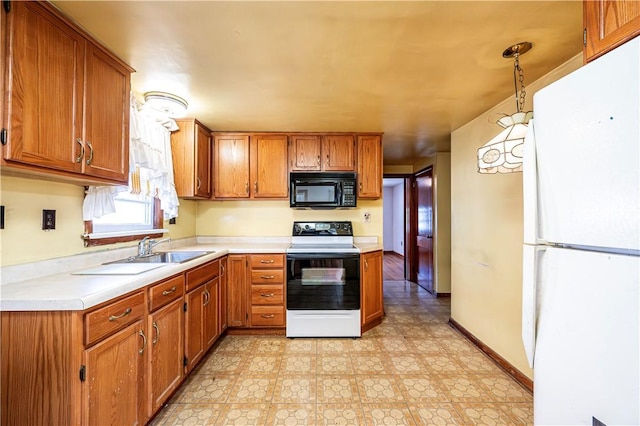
pixel 408 211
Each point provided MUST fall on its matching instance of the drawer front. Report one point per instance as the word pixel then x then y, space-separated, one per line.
pixel 267 295
pixel 165 292
pixel 111 318
pixel 267 316
pixel 267 276
pixel 202 274
pixel 261 261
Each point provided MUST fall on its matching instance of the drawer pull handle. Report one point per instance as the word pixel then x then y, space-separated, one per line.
pixel 267 316
pixel 144 342
pixel 122 315
pixel 267 277
pixel 155 339
pixel 168 292
pixel 267 294
pixel 266 261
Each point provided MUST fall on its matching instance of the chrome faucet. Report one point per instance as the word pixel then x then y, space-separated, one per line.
pixel 146 245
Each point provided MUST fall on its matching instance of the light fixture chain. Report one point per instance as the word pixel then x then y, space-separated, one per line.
pixel 523 93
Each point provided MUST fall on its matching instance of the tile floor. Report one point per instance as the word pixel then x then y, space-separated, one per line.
pixel 413 369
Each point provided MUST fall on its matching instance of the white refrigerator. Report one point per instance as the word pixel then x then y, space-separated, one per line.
pixel 581 254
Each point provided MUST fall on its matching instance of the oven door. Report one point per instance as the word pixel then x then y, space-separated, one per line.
pixel 323 281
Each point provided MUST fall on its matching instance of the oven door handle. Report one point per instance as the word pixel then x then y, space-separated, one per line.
pixel 295 256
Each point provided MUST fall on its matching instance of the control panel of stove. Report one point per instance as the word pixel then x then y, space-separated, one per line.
pixel 323 228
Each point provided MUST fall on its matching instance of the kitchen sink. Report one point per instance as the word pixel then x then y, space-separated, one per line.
pixel 164 257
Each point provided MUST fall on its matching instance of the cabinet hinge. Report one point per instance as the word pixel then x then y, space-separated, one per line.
pixel 185 361
pixel 3 136
pixel 584 37
pixel 185 306
pixel 83 373
pixel 7 5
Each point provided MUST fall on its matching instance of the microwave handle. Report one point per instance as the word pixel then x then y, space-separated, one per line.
pixel 340 193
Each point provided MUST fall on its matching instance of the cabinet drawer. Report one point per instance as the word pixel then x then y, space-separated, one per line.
pixel 202 274
pixel 165 292
pixel 267 261
pixel 269 316
pixel 267 295
pixel 267 276
pixel 104 321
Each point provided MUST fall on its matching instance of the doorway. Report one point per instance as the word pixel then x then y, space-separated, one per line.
pixel 394 227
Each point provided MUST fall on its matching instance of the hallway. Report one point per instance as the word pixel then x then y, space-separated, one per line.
pixel 393 266
pixel 413 369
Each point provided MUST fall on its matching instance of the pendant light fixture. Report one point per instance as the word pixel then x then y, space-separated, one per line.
pixel 165 104
pixel 503 153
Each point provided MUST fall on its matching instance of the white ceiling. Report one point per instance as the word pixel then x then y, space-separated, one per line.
pixel 415 70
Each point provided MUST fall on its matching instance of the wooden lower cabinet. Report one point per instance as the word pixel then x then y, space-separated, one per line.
pixel 210 317
pixel 237 313
pixel 194 327
pixel 371 299
pixel 115 369
pixel 267 290
pixel 166 352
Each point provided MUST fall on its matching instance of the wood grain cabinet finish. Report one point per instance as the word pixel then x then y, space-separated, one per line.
pixel 250 166
pixel 267 290
pixel 165 324
pixel 222 295
pixel 191 150
pixel 608 24
pixel 66 97
pixel 237 313
pixel 371 301
pixel 369 166
pixel 201 315
pixel 322 153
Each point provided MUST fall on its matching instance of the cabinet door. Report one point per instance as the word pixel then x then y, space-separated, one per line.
pixel 222 296
pixel 231 166
pixel 211 328
pixel 608 24
pixel 269 166
pixel 338 153
pixel 372 299
pixel 113 392
pixel 237 314
pixel 45 87
pixel 106 117
pixel 203 162
pixel 194 327
pixel 369 166
pixel 166 331
pixel 304 152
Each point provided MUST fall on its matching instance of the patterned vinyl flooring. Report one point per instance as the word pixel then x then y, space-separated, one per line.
pixel 413 369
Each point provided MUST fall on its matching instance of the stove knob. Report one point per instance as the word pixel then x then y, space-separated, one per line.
pixel 296 229
pixel 306 227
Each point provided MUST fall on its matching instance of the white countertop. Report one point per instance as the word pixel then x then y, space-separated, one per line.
pixel 64 291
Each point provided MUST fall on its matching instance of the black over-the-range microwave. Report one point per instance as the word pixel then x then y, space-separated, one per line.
pixel 323 190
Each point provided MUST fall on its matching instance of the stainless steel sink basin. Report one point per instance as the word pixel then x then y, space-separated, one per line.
pixel 164 257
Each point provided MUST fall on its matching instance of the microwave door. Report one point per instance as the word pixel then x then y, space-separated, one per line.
pixel 316 194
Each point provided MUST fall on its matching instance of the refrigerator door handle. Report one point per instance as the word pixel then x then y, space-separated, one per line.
pixel 530 186
pixel 530 260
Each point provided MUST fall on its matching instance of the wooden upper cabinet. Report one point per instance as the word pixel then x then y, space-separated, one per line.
pixel 322 153
pixel 269 166
pixel 231 166
pixel 250 166
pixel 338 153
pixel 67 99
pixel 369 166
pixel 608 24
pixel 191 150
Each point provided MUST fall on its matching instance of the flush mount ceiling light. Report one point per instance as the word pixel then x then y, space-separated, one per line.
pixel 166 104
pixel 503 153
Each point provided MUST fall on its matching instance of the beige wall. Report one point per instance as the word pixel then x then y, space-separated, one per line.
pixel 275 218
pixel 486 237
pixel 23 239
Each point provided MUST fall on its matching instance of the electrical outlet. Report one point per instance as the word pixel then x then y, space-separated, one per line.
pixel 48 220
pixel 366 217
pixel 172 221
